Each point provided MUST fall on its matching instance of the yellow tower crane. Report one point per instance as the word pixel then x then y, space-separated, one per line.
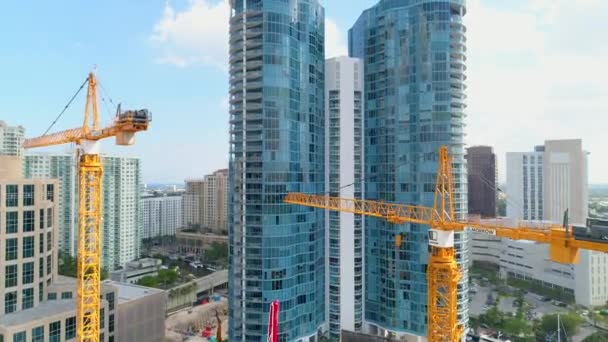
pixel 443 272
pixel 90 171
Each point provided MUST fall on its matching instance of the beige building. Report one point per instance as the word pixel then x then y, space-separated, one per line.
pixel 11 139
pixel 206 203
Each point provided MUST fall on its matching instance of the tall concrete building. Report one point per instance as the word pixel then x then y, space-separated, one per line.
pixel 63 168
pixel 162 214
pixel 525 184
pixel 542 184
pixel 11 138
pixel 206 202
pixel 344 177
pixel 122 224
pixel 215 201
pixel 277 145
pixel 122 228
pixel 481 173
pixel 414 53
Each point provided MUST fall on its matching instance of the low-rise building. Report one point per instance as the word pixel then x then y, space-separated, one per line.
pixel 135 270
pixel 141 312
pixel 196 243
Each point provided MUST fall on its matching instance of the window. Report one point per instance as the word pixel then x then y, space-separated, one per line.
pixel 38 334
pixel 70 328
pixel 11 222
pixel 10 279
pixel 41 247
pixel 102 319
pixel 111 323
pixel 55 331
pixel 41 226
pixel 49 241
pixel 27 301
pixel 49 263
pixel 66 295
pixel 50 192
pixel 41 267
pixel 28 195
pixel 28 221
pixel 52 296
pixel 49 217
pixel 28 247
pixel 11 249
pixel 41 291
pixel 110 298
pixel 10 302
pixel 12 195
pixel 19 337
pixel 28 273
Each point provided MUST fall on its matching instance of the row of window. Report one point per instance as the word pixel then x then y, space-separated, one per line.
pixel 12 194
pixel 28 246
pixel 28 220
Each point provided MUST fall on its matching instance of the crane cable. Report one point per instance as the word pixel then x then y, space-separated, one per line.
pixel 66 106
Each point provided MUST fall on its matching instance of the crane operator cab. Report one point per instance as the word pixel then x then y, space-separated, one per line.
pixel 129 122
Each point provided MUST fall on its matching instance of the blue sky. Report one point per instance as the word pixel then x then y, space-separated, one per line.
pixel 535 72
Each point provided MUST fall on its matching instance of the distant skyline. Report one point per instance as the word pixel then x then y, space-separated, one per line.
pixel 534 73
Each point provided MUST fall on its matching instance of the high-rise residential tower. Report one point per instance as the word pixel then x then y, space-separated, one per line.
pixel 277 145
pixel 414 60
pixel 122 224
pixel 206 202
pixel 122 228
pixel 344 178
pixel 162 214
pixel 481 171
pixel 11 138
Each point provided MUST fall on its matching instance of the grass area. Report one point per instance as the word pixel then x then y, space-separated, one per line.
pixel 486 270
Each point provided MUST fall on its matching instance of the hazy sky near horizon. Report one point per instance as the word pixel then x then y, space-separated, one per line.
pixel 536 70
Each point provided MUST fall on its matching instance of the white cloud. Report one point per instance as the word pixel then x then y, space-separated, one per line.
pixel 199 35
pixel 535 72
pixel 335 44
pixel 196 35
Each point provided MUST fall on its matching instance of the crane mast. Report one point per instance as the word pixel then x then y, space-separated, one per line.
pixel 90 172
pixel 443 272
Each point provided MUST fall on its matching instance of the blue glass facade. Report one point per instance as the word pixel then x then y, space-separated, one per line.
pixel 414 55
pixel 277 145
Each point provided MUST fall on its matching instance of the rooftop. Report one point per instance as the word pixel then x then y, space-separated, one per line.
pixel 129 292
pixel 44 310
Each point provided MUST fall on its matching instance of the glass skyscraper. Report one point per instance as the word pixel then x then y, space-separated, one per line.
pixel 414 62
pixel 277 145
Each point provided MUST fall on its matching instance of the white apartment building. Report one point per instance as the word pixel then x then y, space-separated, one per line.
pixel 11 138
pixel 344 170
pixel 122 226
pixel 162 214
pixel 541 185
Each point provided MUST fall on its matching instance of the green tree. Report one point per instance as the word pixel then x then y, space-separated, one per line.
pixel 569 324
pixel 67 265
pixel 217 252
pixel 599 336
pixel 167 277
pixel 148 281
